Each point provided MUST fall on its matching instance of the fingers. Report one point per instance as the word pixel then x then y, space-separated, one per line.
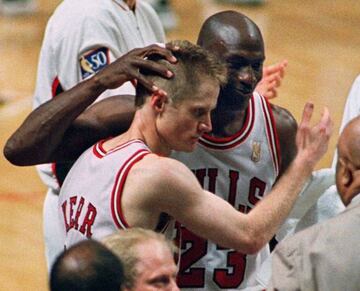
pixel 284 64
pixel 153 67
pixel 304 126
pixel 307 113
pixel 267 87
pixel 164 52
pixel 149 85
pixel 272 77
pixel 278 68
pixel 326 124
pixel 312 142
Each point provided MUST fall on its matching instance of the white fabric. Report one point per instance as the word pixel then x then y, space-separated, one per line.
pixel 233 168
pixel 317 201
pixel 78 26
pixel 90 198
pixel 53 247
pixel 351 110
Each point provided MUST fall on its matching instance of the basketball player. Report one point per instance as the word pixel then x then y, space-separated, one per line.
pixel 251 145
pixel 81 38
pixel 128 181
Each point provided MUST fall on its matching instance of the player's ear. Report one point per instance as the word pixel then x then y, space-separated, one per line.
pixel 158 101
pixel 346 173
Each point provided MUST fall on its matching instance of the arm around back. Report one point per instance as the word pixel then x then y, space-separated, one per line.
pixel 48 133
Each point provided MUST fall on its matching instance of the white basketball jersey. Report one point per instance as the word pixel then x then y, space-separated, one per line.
pixel 90 198
pixel 241 169
pixel 81 38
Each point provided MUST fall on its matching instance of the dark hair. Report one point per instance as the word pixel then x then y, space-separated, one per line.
pixel 194 65
pixel 87 266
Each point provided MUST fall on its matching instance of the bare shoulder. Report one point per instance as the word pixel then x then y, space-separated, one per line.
pixel 286 127
pixel 283 118
pixel 163 182
pixel 162 171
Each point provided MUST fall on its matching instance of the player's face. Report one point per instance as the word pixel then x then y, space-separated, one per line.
pixel 156 268
pixel 185 121
pixel 244 58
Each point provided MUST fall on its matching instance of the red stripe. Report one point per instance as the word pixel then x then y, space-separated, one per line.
pixel 270 130
pixel 55 86
pixel 53 170
pixel 128 165
pixel 96 152
pixel 100 152
pixel 276 136
pixel 219 146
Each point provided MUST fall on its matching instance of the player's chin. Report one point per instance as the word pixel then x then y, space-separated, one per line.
pixel 188 147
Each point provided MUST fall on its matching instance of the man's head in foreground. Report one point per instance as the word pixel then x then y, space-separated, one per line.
pixel 148 259
pixel 87 266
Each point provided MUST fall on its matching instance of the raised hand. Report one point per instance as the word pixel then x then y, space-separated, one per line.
pixel 271 80
pixel 312 142
pixel 127 67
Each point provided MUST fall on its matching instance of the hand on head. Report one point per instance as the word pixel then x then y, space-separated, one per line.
pixel 127 68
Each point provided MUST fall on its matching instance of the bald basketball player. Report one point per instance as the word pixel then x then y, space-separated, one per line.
pixel 251 145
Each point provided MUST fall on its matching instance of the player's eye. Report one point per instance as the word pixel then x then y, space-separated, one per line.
pixel 160 282
pixel 198 112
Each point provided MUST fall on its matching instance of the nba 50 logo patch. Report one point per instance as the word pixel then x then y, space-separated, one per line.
pixel 93 61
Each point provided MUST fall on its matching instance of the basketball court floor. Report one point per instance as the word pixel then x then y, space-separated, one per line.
pixel 320 39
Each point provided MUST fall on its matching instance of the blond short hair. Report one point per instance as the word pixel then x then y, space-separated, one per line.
pixel 124 245
pixel 194 65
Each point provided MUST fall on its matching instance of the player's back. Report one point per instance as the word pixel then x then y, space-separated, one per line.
pixel 90 198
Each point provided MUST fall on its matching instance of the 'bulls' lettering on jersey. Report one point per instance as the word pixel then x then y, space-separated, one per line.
pixel 194 248
pixel 72 216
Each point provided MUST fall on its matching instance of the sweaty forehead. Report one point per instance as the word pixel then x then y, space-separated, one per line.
pixel 231 39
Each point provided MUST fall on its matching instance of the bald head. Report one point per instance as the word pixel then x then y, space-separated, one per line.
pixel 229 30
pixel 350 141
pixel 86 266
pixel 236 40
pixel 348 166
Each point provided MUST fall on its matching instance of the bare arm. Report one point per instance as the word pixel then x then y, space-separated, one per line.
pixel 47 135
pixel 180 195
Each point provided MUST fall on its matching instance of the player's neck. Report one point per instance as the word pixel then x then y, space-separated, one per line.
pixel 144 127
pixel 130 3
pixel 227 122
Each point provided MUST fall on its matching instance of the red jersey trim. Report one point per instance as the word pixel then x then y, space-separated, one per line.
pixel 271 134
pixel 56 89
pixel 116 209
pixel 100 152
pixel 53 170
pixel 236 139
